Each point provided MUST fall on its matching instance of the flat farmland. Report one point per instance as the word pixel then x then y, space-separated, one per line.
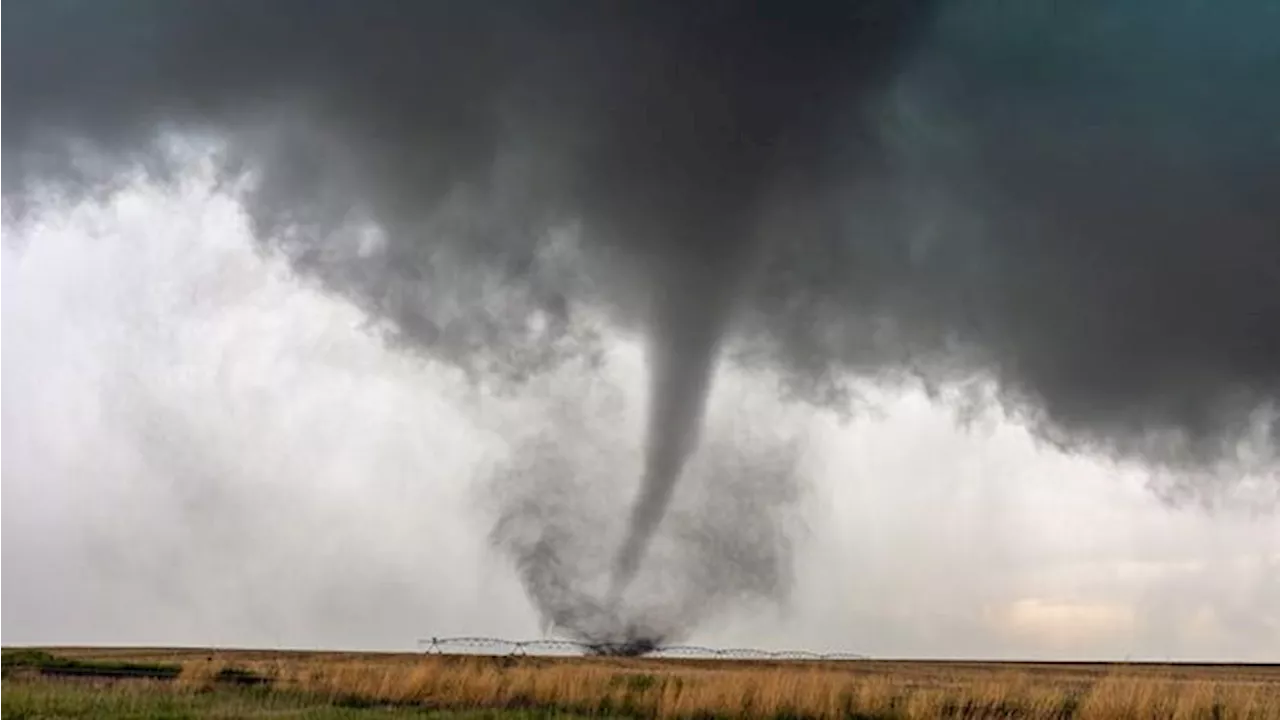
pixel 193 682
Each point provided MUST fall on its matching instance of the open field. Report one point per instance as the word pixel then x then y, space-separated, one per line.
pixel 99 682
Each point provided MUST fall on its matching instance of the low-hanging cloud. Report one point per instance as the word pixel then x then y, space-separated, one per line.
pixel 1075 200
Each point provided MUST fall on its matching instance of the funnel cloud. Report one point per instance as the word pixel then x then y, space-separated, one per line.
pixel 1073 202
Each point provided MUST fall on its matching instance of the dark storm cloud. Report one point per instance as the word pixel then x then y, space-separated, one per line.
pixel 1080 202
pixel 1077 199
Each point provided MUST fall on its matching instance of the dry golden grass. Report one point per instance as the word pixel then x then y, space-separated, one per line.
pixel 681 689
pixel 200 673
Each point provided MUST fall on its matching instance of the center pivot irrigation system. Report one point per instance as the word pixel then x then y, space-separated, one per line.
pixel 554 647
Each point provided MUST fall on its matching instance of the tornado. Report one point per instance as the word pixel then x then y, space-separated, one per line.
pixel 742 113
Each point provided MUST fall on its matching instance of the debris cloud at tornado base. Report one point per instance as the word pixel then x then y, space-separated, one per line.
pixel 1075 202
pixel 726 543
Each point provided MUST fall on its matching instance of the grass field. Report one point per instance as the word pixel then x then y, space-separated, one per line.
pixel 81 682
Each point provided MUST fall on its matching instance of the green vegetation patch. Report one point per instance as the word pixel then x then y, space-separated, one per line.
pixel 47 663
pixel 240 676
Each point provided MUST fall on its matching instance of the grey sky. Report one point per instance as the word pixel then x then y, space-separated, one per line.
pixel 199 448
